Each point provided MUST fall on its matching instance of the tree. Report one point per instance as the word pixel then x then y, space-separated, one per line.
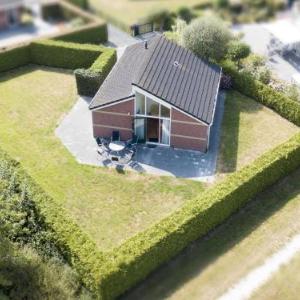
pixel 207 37
pixel 238 50
pixel 185 13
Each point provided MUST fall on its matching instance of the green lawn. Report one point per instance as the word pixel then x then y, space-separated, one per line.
pixel 129 12
pixel 109 206
pixel 249 129
pixel 209 267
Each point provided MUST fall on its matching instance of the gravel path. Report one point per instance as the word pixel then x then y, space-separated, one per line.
pixel 257 277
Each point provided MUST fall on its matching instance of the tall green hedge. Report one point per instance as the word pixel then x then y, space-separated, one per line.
pixel 140 255
pixel 249 86
pixel 94 34
pixel 64 55
pixel 14 58
pixel 76 246
pixel 89 80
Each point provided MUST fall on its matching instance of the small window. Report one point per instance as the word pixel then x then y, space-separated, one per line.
pixel 139 104
pixel 164 112
pixel 152 108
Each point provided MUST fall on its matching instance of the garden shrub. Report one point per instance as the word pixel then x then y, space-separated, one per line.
pixel 141 254
pixel 249 86
pixel 14 58
pixel 63 55
pixel 94 34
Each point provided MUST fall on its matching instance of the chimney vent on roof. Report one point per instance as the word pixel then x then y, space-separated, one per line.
pixel 146 44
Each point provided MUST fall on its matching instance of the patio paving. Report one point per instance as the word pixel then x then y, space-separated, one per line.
pixel 75 132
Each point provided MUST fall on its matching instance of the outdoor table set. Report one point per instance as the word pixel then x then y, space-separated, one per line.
pixel 117 151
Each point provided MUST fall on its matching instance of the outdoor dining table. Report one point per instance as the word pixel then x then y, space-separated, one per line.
pixel 116 146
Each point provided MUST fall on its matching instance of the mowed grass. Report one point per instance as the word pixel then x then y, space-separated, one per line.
pixel 129 12
pixel 285 284
pixel 212 265
pixel 248 130
pixel 109 206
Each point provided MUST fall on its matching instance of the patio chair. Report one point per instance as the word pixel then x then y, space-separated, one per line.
pixel 132 143
pixel 104 150
pixel 115 136
pixel 126 156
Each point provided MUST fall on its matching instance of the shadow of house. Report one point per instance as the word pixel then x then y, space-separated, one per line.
pixel 235 105
pixel 196 257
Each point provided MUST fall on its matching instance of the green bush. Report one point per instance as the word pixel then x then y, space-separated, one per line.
pixel 94 34
pixel 249 86
pixel 88 81
pixel 81 3
pixel 14 58
pixel 63 55
pixel 140 255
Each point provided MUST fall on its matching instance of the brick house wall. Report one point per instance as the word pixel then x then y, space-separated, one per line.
pixel 115 117
pixel 187 132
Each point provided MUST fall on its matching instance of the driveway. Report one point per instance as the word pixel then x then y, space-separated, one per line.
pixel 22 34
pixel 258 38
pixel 75 132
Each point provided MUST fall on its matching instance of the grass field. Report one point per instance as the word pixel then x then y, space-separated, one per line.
pixel 129 12
pixel 109 206
pixel 249 129
pixel 210 266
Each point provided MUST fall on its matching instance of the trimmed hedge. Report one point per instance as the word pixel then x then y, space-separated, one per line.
pixel 76 246
pixel 64 55
pixel 249 86
pixel 95 62
pixel 140 255
pixel 14 58
pixel 88 81
pixel 95 34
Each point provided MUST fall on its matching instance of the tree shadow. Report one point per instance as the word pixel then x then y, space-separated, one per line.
pixel 201 253
pixel 235 105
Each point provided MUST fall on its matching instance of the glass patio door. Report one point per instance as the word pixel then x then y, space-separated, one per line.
pixel 140 129
pixel 165 132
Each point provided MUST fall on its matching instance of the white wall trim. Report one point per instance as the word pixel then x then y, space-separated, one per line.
pixel 112 127
pixel 112 104
pixel 188 137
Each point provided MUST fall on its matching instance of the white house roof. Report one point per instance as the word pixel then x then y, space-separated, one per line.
pixel 286 31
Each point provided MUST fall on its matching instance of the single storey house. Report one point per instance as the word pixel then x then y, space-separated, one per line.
pixel 162 93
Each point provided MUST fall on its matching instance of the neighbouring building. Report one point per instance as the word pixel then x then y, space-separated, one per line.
pixel 162 93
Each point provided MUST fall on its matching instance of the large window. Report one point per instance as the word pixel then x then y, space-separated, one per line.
pixel 139 104
pixel 145 106
pixel 152 120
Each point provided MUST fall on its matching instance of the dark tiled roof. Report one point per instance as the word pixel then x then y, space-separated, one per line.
pixel 118 84
pixel 169 72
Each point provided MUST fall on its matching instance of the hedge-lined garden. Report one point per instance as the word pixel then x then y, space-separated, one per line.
pixel 246 84
pixel 94 62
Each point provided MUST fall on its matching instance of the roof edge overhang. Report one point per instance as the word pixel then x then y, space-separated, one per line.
pixel 110 103
pixel 174 106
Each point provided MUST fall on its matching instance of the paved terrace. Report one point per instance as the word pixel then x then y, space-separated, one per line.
pixel 75 132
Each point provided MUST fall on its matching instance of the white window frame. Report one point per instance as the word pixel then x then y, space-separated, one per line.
pixel 160 102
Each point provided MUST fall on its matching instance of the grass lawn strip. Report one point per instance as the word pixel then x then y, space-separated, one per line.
pixel 109 206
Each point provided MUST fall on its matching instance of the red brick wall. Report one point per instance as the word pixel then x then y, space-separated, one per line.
pixel 187 132
pixel 115 117
pixel 3 20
